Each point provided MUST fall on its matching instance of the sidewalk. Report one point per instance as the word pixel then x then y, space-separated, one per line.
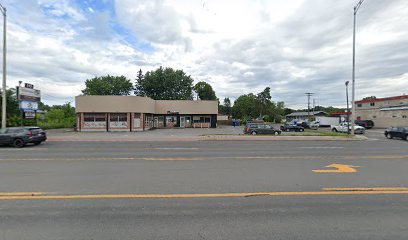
pixel 224 133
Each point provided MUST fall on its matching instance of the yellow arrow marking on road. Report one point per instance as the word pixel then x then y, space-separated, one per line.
pixel 340 168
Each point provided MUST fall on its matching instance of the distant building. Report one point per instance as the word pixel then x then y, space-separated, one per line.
pixel 384 112
pixel 303 116
pixel 133 113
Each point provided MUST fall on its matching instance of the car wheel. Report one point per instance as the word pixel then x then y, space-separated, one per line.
pixel 334 130
pixel 253 133
pixel 288 130
pixel 388 135
pixel 406 137
pixel 301 130
pixel 18 143
pixel 276 133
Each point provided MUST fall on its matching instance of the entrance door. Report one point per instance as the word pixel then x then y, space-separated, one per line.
pixel 182 122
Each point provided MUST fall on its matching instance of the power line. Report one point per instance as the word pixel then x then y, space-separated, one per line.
pixel 308 103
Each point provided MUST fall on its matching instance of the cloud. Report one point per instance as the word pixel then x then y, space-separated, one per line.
pixel 241 46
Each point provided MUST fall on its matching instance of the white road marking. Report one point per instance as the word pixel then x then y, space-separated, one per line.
pixel 177 148
pixel 322 147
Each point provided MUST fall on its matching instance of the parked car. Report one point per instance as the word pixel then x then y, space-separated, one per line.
pixel 396 132
pixel 308 125
pixel 345 127
pixel 20 136
pixel 259 128
pixel 292 128
pixel 365 123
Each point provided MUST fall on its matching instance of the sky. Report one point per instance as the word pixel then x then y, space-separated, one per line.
pixel 238 46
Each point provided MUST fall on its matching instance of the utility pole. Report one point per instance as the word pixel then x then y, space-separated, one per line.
pixel 4 103
pixel 353 93
pixel 308 104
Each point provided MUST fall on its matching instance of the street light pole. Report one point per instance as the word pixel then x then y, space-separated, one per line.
pixel 353 107
pixel 347 113
pixel 4 102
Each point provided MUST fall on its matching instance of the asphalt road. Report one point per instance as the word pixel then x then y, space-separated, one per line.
pixel 156 190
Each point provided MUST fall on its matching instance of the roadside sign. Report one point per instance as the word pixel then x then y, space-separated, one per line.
pixel 27 85
pixel 28 105
pixel 29 94
pixel 29 114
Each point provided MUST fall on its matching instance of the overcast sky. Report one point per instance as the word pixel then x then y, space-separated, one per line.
pixel 238 46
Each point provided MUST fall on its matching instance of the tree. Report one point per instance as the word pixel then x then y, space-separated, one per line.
pixel 108 85
pixel 205 91
pixel 227 105
pixel 370 98
pixel 12 108
pixel 246 106
pixel 264 99
pixel 165 84
pixel 139 79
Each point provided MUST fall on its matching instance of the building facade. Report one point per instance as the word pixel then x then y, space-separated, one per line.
pixel 134 113
pixel 384 112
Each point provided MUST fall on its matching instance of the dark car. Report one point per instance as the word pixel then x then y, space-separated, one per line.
pixel 259 128
pixel 396 132
pixel 20 136
pixel 292 128
pixel 365 123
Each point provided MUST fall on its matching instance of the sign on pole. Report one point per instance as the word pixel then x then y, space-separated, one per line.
pixel 28 105
pixel 29 94
pixel 29 114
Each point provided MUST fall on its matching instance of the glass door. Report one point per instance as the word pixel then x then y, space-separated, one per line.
pixel 182 122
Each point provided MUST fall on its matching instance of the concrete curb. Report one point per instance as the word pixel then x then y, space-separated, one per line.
pixel 207 138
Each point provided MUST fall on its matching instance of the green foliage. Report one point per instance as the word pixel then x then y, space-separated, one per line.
pixel 244 119
pixel 246 106
pixel 108 85
pixel 165 84
pixel 328 110
pixel 12 108
pixel 205 91
pixel 59 116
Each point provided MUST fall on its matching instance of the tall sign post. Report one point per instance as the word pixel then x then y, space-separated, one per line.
pixel 28 98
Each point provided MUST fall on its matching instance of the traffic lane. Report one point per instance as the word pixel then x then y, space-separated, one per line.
pixel 260 217
pixel 59 150
pixel 203 176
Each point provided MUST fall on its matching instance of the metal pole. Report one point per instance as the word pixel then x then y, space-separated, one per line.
pixel 4 103
pixel 353 93
pixel 353 107
pixel 347 113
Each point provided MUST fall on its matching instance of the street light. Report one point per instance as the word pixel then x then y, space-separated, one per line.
pixel 353 111
pixel 347 113
pixel 4 104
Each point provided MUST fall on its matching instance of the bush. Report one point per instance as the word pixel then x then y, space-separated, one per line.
pixel 278 119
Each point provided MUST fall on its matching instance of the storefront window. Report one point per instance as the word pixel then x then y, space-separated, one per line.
pixel 94 120
pixel 118 120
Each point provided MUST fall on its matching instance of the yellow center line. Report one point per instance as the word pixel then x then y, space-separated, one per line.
pixel 199 195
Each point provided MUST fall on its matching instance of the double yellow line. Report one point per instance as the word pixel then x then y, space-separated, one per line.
pixel 325 191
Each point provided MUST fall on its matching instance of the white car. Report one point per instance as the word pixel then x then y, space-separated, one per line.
pixel 342 127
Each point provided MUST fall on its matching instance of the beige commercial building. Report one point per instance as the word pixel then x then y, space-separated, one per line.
pixel 384 112
pixel 133 113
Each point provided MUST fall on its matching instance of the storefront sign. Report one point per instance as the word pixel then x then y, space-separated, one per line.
pixel 27 85
pixel 28 105
pixel 29 114
pixel 29 94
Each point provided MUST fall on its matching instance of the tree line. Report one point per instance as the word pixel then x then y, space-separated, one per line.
pixel 160 84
